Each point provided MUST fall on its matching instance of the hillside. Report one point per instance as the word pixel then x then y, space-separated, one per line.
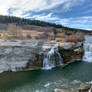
pixel 33 24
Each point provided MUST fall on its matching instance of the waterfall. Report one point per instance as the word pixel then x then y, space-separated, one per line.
pixel 88 49
pixel 52 58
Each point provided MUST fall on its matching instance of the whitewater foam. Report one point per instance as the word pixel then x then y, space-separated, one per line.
pixel 51 58
pixel 88 49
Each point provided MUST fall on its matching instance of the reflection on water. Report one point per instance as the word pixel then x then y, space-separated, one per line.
pixel 46 81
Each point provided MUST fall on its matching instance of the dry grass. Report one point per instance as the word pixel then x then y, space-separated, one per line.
pixel 59 39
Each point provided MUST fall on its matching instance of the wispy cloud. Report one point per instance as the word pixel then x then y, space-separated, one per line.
pixel 22 6
pixel 34 5
pixel 43 17
pixel 78 22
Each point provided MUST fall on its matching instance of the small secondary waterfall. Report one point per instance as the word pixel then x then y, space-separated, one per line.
pixel 88 49
pixel 52 58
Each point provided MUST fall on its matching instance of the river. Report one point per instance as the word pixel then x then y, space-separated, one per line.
pixel 47 80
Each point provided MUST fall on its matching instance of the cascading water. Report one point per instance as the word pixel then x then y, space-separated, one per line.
pixel 88 49
pixel 52 58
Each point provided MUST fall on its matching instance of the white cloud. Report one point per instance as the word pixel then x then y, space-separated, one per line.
pixel 45 17
pixel 78 22
pixel 34 5
pixel 5 5
pixel 81 20
pixel 23 6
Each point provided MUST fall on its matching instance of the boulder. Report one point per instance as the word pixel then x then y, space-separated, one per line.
pixel 59 90
pixel 84 88
pixel 68 90
pixel 90 90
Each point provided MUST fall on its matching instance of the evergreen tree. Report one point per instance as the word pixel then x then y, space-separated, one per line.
pixel 54 32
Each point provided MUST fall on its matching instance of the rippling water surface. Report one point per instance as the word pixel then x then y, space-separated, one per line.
pixel 46 81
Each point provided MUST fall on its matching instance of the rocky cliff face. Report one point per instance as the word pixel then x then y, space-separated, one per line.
pixel 69 51
pixel 29 55
pixel 16 56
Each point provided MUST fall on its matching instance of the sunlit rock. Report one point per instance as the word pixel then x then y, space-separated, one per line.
pixel 14 56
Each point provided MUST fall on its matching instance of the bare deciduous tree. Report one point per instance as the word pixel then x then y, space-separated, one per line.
pixel 12 30
pixel 15 31
pixel 19 32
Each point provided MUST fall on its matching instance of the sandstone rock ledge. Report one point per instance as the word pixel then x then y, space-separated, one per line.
pixel 19 55
pixel 23 55
pixel 70 51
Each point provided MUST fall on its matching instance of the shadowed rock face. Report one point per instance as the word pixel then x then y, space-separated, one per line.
pixel 69 51
pixel 71 55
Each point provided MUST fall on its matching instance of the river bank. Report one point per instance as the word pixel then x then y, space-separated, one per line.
pixel 23 55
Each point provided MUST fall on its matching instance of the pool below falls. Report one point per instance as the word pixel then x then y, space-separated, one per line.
pixel 46 81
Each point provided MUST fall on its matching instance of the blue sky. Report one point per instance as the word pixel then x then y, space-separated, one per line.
pixel 71 13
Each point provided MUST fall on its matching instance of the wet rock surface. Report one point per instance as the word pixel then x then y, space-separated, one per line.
pixel 73 53
pixel 69 51
pixel 82 88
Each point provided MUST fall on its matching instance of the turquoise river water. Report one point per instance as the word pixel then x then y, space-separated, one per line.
pixel 46 81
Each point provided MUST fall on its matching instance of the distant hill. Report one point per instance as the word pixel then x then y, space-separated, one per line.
pixel 33 24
